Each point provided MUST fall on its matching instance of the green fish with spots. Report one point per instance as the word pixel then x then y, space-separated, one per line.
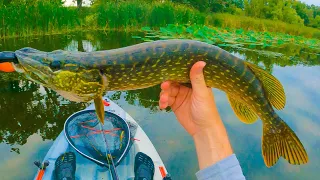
pixel 252 92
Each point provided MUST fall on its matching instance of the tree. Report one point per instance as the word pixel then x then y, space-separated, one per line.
pixel 79 3
pixel 291 15
pixel 254 8
pixel 315 22
pixel 302 11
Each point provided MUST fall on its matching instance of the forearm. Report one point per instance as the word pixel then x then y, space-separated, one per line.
pixel 212 145
pixel 215 155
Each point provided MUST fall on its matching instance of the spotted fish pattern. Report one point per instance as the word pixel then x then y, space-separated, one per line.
pixel 252 92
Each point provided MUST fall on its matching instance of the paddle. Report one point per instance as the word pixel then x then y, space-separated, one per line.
pixel 42 168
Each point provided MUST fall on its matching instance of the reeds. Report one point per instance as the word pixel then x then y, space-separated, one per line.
pixel 37 18
pixel 43 17
pixel 136 14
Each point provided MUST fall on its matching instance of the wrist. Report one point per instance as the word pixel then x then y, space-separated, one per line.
pixel 212 145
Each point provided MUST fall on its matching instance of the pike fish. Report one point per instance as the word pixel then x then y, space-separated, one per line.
pixel 252 92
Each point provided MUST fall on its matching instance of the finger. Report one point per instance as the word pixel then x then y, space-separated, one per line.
pixel 171 100
pixel 171 87
pixel 183 96
pixel 164 103
pixel 174 89
pixel 197 78
pixel 164 99
pixel 165 85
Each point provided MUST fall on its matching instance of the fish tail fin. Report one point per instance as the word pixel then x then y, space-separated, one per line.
pixel 279 140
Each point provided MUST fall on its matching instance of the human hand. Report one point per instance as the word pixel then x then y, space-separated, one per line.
pixel 194 108
pixel 196 111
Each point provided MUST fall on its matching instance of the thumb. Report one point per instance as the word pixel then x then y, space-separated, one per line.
pixel 197 78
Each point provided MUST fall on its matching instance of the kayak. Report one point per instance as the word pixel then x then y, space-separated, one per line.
pixel 86 169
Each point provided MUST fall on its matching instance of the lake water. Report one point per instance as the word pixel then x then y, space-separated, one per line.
pixel 32 116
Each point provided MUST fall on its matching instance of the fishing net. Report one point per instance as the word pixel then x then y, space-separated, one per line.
pixel 95 141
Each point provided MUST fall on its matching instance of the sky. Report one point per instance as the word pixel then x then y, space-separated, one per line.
pixel 315 2
pixel 73 2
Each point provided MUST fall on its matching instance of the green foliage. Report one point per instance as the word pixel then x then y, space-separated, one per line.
pixel 38 17
pixel 293 12
pixel 35 17
pixel 230 6
pixel 133 14
pixel 262 43
pixel 273 9
pixel 262 25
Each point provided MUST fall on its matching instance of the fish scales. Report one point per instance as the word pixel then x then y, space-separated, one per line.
pixel 188 52
pixel 252 92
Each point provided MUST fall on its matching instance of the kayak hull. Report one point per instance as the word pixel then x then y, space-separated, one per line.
pixel 86 169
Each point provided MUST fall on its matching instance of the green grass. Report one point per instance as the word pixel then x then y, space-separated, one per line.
pixel 38 18
pixel 135 14
pixel 41 17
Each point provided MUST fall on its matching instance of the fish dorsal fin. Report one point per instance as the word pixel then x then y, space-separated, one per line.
pixel 243 112
pixel 273 88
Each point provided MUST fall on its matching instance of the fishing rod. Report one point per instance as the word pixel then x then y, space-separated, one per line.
pixel 6 60
pixel 8 56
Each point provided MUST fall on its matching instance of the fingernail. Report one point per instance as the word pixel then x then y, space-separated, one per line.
pixel 202 65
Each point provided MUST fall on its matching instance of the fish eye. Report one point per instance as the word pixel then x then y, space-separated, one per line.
pixel 55 64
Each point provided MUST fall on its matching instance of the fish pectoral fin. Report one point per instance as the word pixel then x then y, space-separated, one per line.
pixel 99 106
pixel 243 112
pixel 273 88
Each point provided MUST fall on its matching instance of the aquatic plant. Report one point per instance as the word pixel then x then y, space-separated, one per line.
pixel 265 48
pixel 266 44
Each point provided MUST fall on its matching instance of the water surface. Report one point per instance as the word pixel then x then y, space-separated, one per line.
pixel 32 116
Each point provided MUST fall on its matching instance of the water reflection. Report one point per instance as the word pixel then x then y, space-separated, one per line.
pixel 26 108
pixel 31 114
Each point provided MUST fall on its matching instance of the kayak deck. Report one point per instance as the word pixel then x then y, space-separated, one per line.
pixel 86 169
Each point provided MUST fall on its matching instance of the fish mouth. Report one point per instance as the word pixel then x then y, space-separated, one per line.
pixel 51 70
pixel 32 67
